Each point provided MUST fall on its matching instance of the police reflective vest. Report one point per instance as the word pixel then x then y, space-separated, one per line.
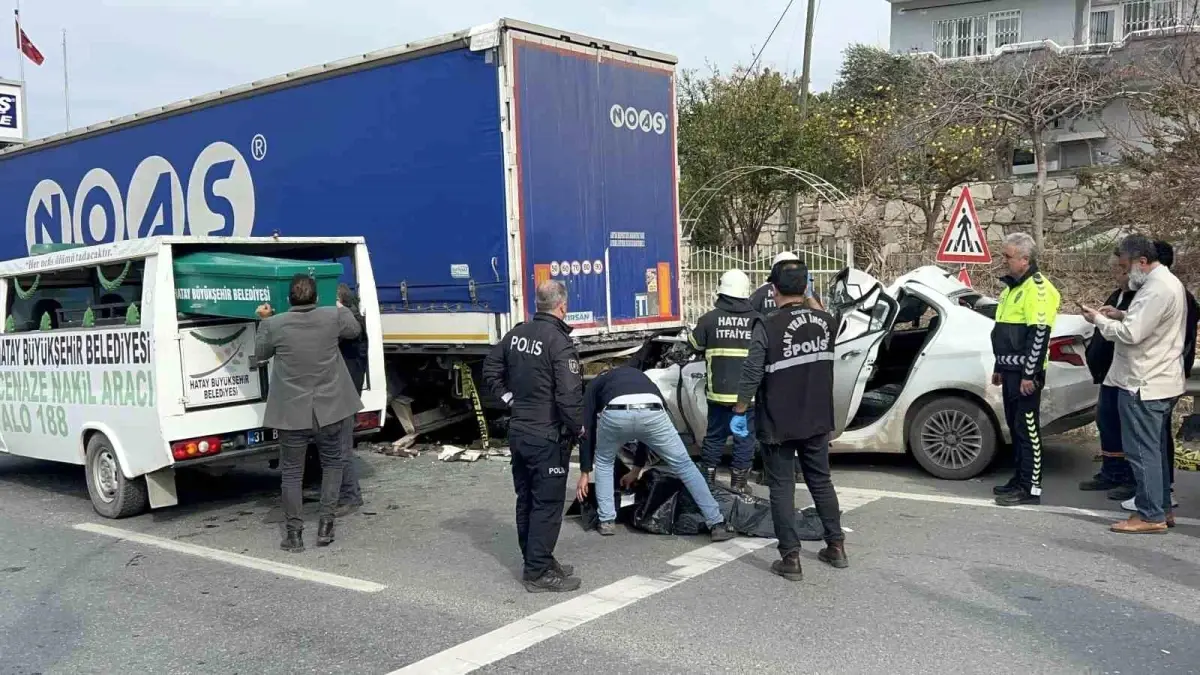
pixel 723 336
pixel 1024 319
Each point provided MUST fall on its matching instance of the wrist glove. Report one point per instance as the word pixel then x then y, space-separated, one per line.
pixel 740 426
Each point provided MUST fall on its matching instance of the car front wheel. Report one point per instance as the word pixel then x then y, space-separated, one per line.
pixel 952 438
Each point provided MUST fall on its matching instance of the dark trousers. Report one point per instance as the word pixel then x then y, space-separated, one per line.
pixel 293 445
pixel 539 469
pixel 1169 445
pixel 719 416
pixel 780 462
pixel 1113 465
pixel 1143 425
pixel 1024 425
pixel 351 492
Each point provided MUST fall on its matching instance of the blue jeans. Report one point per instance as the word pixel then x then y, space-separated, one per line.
pixel 719 415
pixel 1142 425
pixel 615 428
pixel 1113 465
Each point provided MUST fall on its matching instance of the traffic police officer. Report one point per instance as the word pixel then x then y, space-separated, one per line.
pixel 535 371
pixel 790 373
pixel 1021 345
pixel 723 336
pixel 763 299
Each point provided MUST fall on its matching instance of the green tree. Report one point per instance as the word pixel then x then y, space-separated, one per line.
pixel 901 150
pixel 747 119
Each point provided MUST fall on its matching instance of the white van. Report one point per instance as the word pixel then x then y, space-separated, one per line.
pixel 98 366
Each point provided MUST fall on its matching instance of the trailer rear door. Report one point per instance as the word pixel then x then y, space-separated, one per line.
pixel 595 140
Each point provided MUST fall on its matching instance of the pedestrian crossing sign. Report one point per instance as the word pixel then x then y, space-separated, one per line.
pixel 964 241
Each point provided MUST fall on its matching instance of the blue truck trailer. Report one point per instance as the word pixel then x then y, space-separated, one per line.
pixel 476 164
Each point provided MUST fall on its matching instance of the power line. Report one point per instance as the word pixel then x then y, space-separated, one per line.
pixel 766 42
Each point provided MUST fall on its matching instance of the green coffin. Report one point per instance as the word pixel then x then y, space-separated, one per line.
pixel 234 285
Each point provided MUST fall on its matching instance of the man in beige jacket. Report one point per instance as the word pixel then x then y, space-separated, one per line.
pixel 1147 370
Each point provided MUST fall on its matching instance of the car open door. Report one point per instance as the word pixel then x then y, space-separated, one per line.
pixel 865 313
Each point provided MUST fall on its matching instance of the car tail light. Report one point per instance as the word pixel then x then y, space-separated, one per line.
pixel 1063 350
pixel 365 421
pixel 196 447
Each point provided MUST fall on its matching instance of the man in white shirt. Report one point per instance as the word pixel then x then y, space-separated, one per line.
pixel 1147 370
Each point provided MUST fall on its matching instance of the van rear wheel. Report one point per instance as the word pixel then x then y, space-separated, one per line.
pixel 113 495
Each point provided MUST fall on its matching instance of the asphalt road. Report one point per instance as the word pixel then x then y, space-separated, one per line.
pixel 939 582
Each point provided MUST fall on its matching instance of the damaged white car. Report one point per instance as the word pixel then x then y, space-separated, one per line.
pixel 913 374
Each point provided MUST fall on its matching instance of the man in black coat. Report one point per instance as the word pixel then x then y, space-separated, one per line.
pixel 1116 476
pixel 354 353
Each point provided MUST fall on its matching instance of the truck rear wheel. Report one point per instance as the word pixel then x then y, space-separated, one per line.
pixel 113 495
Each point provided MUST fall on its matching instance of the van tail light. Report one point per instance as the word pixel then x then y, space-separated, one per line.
pixel 1067 350
pixel 365 421
pixel 196 447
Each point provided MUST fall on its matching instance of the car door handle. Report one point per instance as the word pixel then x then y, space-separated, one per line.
pixel 851 354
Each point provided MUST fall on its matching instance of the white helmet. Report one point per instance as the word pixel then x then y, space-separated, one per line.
pixel 734 284
pixel 786 256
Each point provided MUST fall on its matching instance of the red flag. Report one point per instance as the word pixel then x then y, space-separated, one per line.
pixel 26 45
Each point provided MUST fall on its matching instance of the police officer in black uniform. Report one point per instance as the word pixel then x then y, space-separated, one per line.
pixel 790 374
pixel 535 371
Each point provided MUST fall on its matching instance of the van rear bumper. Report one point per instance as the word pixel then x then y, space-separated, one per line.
pixel 245 453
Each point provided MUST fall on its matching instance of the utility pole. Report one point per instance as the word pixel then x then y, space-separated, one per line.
pixel 805 76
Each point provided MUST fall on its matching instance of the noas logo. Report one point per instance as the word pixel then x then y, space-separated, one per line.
pixel 219 201
pixel 633 119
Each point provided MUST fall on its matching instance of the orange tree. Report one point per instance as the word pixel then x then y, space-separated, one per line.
pixel 887 126
pixel 742 119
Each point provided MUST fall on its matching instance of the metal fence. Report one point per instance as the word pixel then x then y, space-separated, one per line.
pixel 703 267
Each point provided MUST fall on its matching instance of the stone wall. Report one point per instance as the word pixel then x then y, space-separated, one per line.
pixel 1003 207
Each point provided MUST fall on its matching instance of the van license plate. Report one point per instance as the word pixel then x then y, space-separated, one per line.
pixel 260 436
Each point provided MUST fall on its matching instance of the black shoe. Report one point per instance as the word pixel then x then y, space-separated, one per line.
pixel 834 554
pixel 293 542
pixel 710 474
pixel 347 508
pixel 721 532
pixel 565 570
pixel 1122 492
pixel 1098 484
pixel 739 480
pixel 553 582
pixel 1020 497
pixel 325 531
pixel 789 567
pixel 1008 488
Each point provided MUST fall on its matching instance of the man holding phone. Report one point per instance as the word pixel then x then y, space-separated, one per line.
pixel 1147 371
pixel 1115 476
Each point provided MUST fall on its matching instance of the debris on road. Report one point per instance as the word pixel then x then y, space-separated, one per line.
pixel 405 447
pixel 453 453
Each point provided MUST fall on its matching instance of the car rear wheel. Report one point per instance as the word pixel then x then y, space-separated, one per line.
pixel 952 438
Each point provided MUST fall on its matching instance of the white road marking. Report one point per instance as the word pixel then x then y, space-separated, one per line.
pixel 868 493
pixel 557 619
pixel 282 569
